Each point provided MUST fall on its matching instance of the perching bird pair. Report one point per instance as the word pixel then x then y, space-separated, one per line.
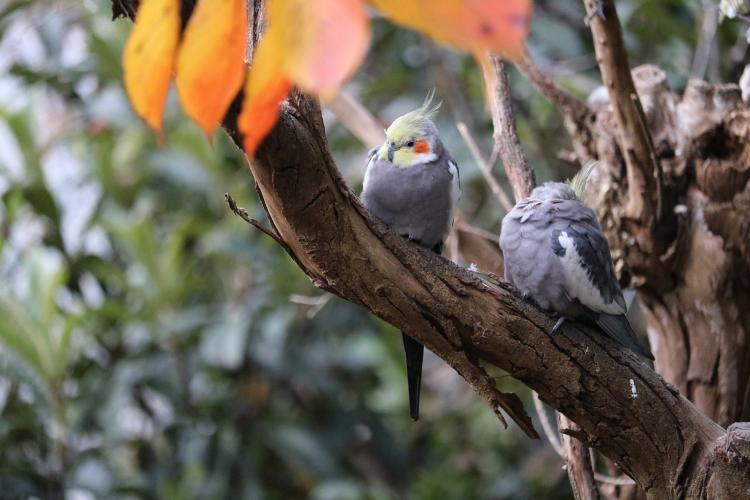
pixel 554 249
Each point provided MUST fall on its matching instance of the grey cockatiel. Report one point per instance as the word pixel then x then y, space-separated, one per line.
pixel 412 185
pixel 556 254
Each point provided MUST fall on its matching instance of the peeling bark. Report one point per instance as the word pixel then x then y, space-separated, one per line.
pixel 692 270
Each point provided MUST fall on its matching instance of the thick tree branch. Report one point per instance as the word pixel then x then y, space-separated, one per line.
pixel 458 315
pixel 643 169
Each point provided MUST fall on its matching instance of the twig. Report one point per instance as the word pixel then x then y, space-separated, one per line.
pixel 462 225
pixel 357 119
pixel 517 169
pixel 242 213
pixel 549 431
pixel 606 479
pixel 314 303
pixel 457 104
pixel 484 167
pixel 552 437
pixel 708 25
pixel 580 471
pixel 569 104
pixel 449 86
pixel 617 481
pixel 576 114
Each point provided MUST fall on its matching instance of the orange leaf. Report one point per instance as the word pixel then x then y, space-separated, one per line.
pixel 266 87
pixel 320 43
pixel 149 56
pixel 211 61
pixel 474 25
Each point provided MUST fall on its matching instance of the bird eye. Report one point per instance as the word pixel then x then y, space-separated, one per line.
pixel 410 144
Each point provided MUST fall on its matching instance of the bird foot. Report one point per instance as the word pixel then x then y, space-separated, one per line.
pixel 558 324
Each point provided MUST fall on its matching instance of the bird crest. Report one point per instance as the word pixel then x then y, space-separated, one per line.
pixel 417 122
pixel 578 182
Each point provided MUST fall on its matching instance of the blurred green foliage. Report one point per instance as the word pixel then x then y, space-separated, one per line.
pixel 154 346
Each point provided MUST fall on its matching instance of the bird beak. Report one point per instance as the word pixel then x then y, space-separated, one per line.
pixel 391 150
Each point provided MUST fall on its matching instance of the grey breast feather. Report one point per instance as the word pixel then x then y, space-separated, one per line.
pixel 415 201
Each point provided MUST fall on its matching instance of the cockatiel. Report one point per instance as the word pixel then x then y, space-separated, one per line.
pixel 412 185
pixel 556 254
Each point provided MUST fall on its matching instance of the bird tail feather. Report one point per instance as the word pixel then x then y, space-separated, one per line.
pixel 414 356
pixel 618 329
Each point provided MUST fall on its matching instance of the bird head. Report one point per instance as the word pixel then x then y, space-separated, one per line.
pixel 550 191
pixel 569 190
pixel 412 139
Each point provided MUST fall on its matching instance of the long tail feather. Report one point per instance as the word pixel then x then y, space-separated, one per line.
pixel 414 356
pixel 618 328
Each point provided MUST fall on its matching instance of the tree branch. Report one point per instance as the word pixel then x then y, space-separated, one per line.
pixel 485 167
pixel 576 115
pixel 458 315
pixel 643 170
pixel 580 472
pixel 242 214
pixel 522 179
pixel 549 431
pixel 517 169
pixel 567 103
pixel 357 119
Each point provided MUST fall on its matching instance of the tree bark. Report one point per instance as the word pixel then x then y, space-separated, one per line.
pixel 691 270
pixel 623 408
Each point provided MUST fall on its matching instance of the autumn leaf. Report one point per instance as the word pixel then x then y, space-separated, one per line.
pixel 211 62
pixel 149 58
pixel 320 43
pixel 315 45
pixel 265 88
pixel 499 26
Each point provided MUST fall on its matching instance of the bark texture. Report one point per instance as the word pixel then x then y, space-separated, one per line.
pixel 691 266
pixel 673 195
pixel 623 408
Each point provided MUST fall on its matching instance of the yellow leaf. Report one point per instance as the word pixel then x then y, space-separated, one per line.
pixel 320 43
pixel 266 87
pixel 211 60
pixel 474 25
pixel 149 58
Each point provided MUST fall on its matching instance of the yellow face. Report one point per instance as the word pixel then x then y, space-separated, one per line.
pixel 407 140
pixel 407 152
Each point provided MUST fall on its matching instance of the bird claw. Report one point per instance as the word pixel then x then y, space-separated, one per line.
pixel 558 324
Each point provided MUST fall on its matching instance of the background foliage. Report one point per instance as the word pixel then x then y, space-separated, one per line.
pixel 154 346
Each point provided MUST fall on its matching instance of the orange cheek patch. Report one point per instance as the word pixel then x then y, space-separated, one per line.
pixel 422 147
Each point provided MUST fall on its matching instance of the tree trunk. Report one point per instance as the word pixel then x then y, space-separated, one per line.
pixel 691 268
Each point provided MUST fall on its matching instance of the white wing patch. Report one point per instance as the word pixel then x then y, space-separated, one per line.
pixel 367 172
pixel 577 283
pixel 455 185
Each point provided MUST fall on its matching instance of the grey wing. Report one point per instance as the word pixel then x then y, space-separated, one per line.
pixel 579 243
pixel 530 264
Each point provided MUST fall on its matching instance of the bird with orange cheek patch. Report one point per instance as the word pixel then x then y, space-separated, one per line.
pixel 412 185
